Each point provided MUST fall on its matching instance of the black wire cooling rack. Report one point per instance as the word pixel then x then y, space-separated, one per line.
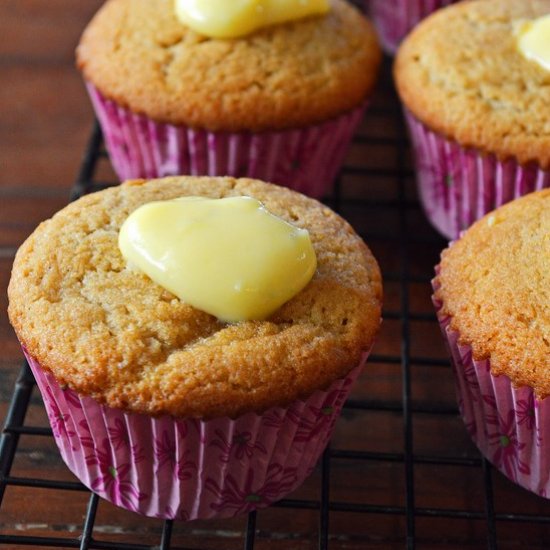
pixel 401 471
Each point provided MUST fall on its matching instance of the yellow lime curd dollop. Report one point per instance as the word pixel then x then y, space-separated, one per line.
pixel 229 257
pixel 234 18
pixel 533 39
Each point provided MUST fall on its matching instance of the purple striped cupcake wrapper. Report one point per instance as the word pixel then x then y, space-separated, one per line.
pixel 395 18
pixel 305 159
pixel 188 468
pixel 458 186
pixel 509 425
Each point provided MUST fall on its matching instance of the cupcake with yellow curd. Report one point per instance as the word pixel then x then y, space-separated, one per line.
pixel 270 90
pixel 474 79
pixel 491 295
pixel 194 339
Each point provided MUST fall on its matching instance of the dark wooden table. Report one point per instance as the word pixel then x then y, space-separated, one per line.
pixel 403 470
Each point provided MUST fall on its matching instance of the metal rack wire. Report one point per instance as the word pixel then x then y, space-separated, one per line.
pixel 377 491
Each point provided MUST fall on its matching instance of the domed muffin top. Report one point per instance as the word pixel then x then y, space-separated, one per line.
pixel 461 73
pixel 108 331
pixel 494 283
pixel 139 54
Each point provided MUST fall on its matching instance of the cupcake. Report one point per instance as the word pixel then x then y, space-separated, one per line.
pixel 161 407
pixel 394 19
pixel 476 92
pixel 279 103
pixel 491 295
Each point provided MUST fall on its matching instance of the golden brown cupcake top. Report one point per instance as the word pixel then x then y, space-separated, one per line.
pixel 140 55
pixel 495 283
pixel 108 331
pixel 460 72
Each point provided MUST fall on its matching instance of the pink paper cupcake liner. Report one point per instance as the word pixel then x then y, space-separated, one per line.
pixel 306 159
pixel 457 186
pixel 395 18
pixel 509 425
pixel 189 469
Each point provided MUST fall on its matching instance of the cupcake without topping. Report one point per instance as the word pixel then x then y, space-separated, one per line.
pixel 491 293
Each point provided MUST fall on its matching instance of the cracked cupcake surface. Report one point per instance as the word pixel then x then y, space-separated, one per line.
pixel 108 331
pixel 461 73
pixel 138 54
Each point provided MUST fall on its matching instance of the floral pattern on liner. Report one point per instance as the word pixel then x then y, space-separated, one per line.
pixel 306 159
pixel 190 469
pixel 506 423
pixel 395 18
pixel 457 186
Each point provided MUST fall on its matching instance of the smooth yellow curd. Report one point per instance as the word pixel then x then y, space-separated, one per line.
pixel 533 39
pixel 229 257
pixel 234 18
